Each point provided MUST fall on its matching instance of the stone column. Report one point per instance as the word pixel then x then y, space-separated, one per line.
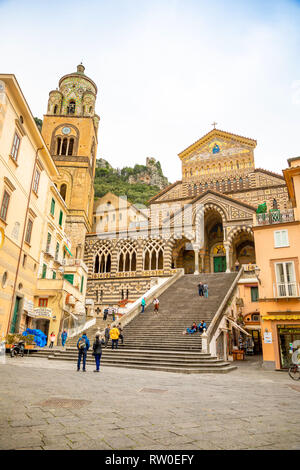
pixel 227 251
pixel 196 261
pixel 139 256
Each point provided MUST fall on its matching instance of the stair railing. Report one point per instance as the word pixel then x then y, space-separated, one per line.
pixel 79 329
pixel 214 324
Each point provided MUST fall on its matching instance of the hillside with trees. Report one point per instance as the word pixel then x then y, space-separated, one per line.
pixel 139 183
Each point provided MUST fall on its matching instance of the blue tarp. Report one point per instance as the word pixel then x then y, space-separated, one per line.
pixel 40 338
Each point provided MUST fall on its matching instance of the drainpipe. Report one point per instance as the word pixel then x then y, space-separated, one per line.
pixel 22 240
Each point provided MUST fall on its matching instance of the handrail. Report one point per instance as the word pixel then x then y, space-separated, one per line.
pixel 219 314
pixel 79 329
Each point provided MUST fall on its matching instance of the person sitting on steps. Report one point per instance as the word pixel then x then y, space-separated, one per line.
pixel 193 329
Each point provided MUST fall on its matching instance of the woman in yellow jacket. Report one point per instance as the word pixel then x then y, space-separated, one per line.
pixel 114 336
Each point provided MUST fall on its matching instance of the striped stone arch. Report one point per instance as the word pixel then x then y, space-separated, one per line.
pixel 217 208
pixel 235 231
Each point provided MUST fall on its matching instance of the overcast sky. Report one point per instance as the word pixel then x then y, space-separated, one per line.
pixel 165 70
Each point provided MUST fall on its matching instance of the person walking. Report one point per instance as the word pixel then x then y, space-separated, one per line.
pixel 205 290
pixel 52 339
pixel 64 336
pixel 106 335
pixel 97 351
pixel 114 336
pixel 83 345
pixel 200 289
pixel 156 305
pixel 105 313
pixel 121 336
pixel 143 304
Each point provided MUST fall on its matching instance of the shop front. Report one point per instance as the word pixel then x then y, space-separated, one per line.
pixel 288 342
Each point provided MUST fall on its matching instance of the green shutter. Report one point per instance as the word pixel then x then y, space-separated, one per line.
pixel 254 294
pixel 44 271
pixel 54 275
pixel 52 210
pixel 69 278
pixel 81 287
pixel 60 218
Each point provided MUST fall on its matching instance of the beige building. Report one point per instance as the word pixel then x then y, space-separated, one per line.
pixel 34 249
pixel 277 235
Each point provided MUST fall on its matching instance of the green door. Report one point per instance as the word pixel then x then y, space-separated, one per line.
pixel 219 264
pixel 15 315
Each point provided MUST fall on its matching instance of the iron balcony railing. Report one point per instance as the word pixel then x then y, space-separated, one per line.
pixel 275 217
pixel 286 289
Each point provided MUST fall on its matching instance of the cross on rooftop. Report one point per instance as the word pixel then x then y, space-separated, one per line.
pixel 214 124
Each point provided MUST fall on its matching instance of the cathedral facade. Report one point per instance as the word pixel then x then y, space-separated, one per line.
pixel 202 223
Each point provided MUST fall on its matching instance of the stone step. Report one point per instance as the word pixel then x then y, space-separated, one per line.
pixel 185 370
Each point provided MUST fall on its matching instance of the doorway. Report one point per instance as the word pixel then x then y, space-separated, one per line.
pixel 13 326
pixel 219 264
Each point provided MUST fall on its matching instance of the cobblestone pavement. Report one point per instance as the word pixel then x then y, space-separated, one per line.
pixel 246 409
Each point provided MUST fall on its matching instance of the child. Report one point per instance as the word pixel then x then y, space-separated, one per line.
pixel 52 339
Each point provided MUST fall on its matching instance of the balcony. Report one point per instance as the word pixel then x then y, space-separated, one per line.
pixel 74 262
pixel 275 217
pixel 283 290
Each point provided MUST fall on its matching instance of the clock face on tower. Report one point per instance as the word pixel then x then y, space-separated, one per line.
pixel 66 130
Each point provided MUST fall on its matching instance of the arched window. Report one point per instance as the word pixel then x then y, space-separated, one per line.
pixel 246 182
pixel 200 188
pixel 127 256
pixel 63 191
pixel 195 189
pixel 234 184
pixel 228 185
pixel 71 107
pixel 102 261
pixel 223 186
pixel 241 183
pixel 206 186
pixel 71 146
pixel 211 185
pixel 55 109
pixel 91 109
pixel 58 146
pixel 217 186
pixel 64 146
pixel 153 255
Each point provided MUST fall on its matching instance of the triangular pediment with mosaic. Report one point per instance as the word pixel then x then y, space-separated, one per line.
pixel 217 144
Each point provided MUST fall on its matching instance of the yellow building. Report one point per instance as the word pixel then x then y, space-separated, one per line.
pixel 277 235
pixel 34 250
pixel 70 132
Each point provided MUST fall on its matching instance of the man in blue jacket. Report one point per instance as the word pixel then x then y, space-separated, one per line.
pixel 83 346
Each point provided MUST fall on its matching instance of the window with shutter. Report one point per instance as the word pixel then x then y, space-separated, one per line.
pixel 281 238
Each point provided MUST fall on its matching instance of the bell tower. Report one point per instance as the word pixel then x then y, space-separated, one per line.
pixel 70 130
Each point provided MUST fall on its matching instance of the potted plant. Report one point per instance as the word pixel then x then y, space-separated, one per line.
pixel 10 339
pixel 29 341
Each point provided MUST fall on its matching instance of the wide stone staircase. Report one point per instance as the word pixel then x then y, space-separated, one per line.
pixel 156 342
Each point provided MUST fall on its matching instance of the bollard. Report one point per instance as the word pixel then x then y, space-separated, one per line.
pixel 2 352
pixel 204 342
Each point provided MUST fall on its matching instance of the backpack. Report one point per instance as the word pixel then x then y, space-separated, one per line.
pixel 82 344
